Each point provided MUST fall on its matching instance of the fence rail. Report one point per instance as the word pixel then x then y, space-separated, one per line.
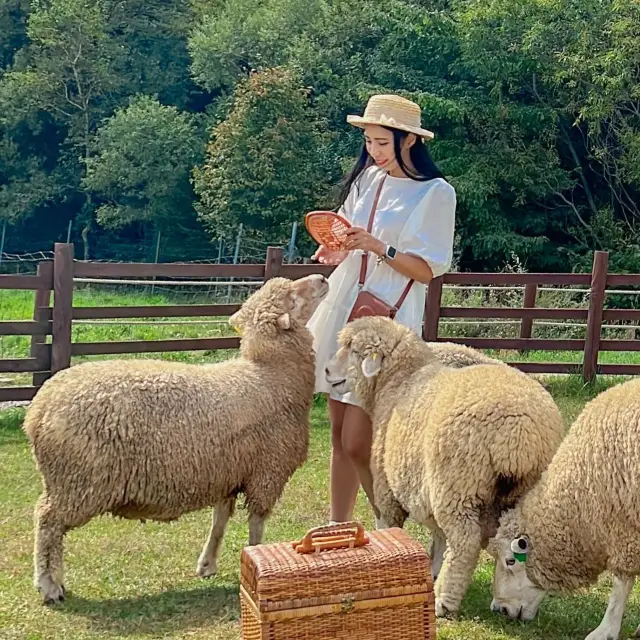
pixel 56 321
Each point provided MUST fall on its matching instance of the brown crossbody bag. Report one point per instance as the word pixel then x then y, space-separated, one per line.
pixel 366 303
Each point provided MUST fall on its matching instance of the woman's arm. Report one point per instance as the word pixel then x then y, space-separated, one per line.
pixel 407 265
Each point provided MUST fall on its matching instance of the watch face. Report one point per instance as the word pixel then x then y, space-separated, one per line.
pixel 391 252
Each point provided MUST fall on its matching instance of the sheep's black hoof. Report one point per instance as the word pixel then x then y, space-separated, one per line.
pixel 50 602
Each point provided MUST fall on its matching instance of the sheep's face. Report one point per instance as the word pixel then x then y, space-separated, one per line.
pixel 365 345
pixel 340 370
pixel 280 305
pixel 306 294
pixel 514 594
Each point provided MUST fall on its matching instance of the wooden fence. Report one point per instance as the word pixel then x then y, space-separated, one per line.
pixel 57 276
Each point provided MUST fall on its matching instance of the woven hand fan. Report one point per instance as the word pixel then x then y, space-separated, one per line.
pixel 327 228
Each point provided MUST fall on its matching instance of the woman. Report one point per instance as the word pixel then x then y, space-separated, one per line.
pixel 411 238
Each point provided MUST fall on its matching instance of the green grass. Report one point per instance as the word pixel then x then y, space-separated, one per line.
pixel 132 581
pixel 18 305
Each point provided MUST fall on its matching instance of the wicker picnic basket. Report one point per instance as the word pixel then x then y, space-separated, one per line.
pixel 338 583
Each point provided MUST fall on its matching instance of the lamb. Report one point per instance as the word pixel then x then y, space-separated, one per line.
pixel 452 447
pixel 148 439
pixel 582 518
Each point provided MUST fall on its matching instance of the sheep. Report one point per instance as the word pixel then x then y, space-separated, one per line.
pixel 452 447
pixel 459 355
pixel 582 518
pixel 148 439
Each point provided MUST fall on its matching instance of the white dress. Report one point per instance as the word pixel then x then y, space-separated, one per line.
pixel 417 218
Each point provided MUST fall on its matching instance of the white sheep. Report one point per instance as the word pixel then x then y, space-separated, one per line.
pixel 147 439
pixel 459 355
pixel 582 518
pixel 452 447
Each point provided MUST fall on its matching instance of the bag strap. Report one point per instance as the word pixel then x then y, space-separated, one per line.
pixel 365 255
pixel 405 293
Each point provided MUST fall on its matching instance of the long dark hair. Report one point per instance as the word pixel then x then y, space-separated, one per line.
pixel 420 157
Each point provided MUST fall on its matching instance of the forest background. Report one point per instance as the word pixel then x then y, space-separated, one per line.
pixel 157 128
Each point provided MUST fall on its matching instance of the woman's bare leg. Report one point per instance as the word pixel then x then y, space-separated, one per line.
pixel 345 481
pixel 356 443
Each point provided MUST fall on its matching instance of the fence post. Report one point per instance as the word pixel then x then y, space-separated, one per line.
pixel 526 324
pixel 62 307
pixel 236 255
pixel 2 237
pixel 273 264
pixel 432 310
pixel 594 315
pixel 292 242
pixel 41 314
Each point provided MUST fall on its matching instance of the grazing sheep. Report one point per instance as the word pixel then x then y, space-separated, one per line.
pixel 452 448
pixel 146 439
pixel 582 518
pixel 459 355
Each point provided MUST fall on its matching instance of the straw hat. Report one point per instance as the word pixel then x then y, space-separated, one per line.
pixel 392 111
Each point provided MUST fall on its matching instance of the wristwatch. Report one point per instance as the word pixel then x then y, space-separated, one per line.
pixel 390 252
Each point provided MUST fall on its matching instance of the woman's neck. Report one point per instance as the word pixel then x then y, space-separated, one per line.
pixel 397 172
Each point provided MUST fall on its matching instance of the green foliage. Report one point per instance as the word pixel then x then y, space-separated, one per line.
pixel 262 166
pixel 248 35
pixel 535 106
pixel 13 32
pixel 140 165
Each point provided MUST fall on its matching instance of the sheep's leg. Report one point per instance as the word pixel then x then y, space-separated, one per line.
pixel 207 563
pixel 437 547
pixel 52 521
pixel 609 628
pixel 464 542
pixel 391 512
pixel 256 529
pixel 262 491
pixel 48 549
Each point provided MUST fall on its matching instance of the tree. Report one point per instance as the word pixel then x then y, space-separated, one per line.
pixel 235 38
pixel 140 164
pixel 13 31
pixel 578 61
pixel 69 71
pixel 261 166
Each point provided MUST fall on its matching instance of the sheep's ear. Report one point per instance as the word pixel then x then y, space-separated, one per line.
pixel 234 321
pixel 520 549
pixel 371 365
pixel 284 321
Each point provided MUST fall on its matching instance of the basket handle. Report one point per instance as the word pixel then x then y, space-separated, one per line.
pixel 343 535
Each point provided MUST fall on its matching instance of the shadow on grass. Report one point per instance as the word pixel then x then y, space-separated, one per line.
pixel 158 614
pixel 570 617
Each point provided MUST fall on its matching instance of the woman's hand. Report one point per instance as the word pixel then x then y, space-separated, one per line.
pixel 326 256
pixel 359 238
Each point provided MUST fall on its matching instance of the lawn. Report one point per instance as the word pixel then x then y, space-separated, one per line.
pixel 134 581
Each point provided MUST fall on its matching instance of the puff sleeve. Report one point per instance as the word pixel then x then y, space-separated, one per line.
pixel 429 231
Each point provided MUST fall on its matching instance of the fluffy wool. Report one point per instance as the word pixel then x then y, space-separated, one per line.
pixel 459 355
pixel 452 447
pixel 582 517
pixel 148 439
